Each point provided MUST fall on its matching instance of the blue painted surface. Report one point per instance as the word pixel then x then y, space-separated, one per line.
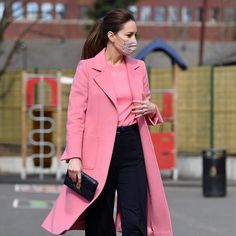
pixel 159 45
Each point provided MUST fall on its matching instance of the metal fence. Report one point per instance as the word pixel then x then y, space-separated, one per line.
pixel 206 109
pixel 10 111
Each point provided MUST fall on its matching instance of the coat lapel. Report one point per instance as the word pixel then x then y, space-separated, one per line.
pixel 102 77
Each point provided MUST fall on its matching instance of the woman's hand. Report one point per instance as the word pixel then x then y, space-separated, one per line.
pixel 143 107
pixel 74 169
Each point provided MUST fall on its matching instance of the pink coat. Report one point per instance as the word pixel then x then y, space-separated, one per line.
pixel 91 128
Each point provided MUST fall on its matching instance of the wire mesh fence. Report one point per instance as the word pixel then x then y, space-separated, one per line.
pixel 10 111
pixel 206 109
pixel 225 108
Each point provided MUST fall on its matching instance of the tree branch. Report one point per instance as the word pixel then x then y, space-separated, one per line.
pixel 7 17
pixel 15 47
pixel 5 21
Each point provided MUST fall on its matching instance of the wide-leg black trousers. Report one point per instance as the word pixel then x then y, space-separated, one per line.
pixel 127 175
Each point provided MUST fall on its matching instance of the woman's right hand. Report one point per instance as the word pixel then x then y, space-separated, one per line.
pixel 74 169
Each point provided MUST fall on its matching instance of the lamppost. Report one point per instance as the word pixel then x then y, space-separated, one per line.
pixel 202 32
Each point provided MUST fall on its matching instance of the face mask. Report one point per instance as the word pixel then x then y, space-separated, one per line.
pixel 129 46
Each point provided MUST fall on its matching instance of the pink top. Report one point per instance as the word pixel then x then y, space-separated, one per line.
pixel 122 90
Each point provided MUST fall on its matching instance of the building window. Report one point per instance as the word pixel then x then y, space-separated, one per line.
pixel 159 14
pixel 214 15
pixel 60 11
pixel 199 14
pixel 32 11
pixel 47 10
pixel 145 13
pixel 134 10
pixel 1 9
pixel 17 11
pixel 229 15
pixel 186 15
pixel 173 14
pixel 83 10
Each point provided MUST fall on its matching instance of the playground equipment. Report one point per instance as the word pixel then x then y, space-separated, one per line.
pixel 165 142
pixel 41 101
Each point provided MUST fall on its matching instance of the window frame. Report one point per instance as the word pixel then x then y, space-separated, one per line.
pixel 149 13
pixel 82 14
pixel 47 13
pixel 230 14
pixel 134 12
pixel 58 12
pixel 16 8
pixel 34 13
pixel 177 12
pixel 155 16
pixel 188 12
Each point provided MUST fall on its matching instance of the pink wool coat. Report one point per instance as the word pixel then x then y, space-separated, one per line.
pixel 91 129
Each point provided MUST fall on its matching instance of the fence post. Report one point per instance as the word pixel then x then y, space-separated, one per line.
pixel 212 107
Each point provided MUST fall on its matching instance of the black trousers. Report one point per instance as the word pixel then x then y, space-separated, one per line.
pixel 127 175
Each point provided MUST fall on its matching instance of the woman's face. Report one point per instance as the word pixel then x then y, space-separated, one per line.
pixel 127 33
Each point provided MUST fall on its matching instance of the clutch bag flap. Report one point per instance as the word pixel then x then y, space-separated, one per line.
pixel 87 188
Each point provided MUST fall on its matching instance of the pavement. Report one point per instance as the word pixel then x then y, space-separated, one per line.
pixel 51 179
pixel 25 203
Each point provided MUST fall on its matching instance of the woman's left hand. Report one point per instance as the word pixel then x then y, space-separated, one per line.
pixel 143 107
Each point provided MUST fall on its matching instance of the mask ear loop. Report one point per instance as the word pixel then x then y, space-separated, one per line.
pixel 123 42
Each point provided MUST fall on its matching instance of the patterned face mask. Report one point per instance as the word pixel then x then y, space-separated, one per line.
pixel 129 46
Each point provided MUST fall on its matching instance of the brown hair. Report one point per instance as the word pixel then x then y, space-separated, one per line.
pixel 97 38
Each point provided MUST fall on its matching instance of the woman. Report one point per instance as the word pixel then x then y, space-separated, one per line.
pixel 108 138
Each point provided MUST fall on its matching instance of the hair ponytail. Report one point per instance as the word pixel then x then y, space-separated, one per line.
pixel 97 38
pixel 94 42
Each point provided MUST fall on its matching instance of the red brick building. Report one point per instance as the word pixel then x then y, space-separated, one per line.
pixel 172 20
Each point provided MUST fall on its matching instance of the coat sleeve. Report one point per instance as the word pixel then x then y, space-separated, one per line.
pixel 155 117
pixel 77 106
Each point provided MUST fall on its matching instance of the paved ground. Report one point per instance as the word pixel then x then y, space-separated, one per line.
pixel 24 206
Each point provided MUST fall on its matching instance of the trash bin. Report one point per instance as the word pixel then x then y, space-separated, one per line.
pixel 214 172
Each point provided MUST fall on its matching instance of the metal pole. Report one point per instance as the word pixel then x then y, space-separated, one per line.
pixel 212 108
pixel 23 126
pixel 175 121
pixel 24 56
pixel 202 32
pixel 41 125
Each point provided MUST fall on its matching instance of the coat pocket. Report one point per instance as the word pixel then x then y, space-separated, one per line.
pixel 89 151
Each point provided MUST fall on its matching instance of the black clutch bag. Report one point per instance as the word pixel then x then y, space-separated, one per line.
pixel 86 188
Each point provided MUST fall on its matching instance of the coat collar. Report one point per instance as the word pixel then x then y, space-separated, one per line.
pixel 100 61
pixel 103 78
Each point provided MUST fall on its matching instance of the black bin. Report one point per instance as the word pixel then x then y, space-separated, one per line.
pixel 214 172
